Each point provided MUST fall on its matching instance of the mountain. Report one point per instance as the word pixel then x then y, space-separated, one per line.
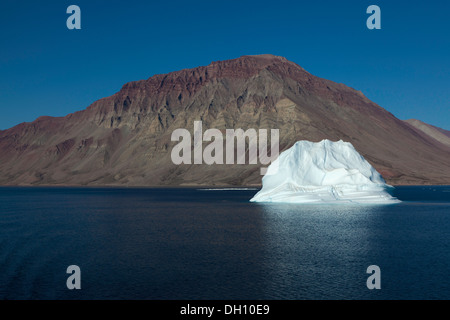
pixel 441 135
pixel 125 139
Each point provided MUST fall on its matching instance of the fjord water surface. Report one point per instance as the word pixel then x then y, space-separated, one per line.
pixel 186 243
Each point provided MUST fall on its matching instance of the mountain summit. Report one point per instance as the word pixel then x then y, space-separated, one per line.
pixel 125 139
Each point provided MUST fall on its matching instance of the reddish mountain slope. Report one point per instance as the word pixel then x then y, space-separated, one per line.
pixel 124 139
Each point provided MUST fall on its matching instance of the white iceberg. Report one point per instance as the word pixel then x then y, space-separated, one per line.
pixel 323 172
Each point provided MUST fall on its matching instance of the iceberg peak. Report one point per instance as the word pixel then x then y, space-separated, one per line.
pixel 323 172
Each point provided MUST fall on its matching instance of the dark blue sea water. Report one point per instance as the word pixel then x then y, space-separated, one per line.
pixel 133 243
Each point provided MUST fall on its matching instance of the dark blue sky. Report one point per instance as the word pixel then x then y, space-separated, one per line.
pixel 46 69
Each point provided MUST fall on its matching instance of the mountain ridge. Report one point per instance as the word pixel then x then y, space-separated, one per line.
pixel 124 139
pixel 439 134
